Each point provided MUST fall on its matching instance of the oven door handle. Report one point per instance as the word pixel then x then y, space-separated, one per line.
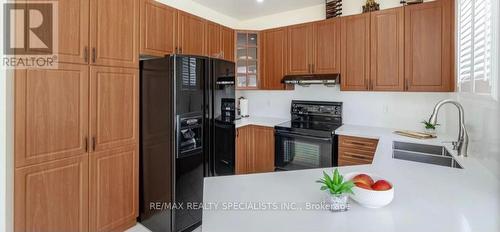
pixel 303 136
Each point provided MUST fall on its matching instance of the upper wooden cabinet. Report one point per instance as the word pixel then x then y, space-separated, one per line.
pixel 274 55
pixel 51 113
pixel 115 107
pixel 314 48
pixel 326 56
pixel 227 43
pixel 73 26
pixel 387 50
pixel 114 33
pixel 355 74
pixel 191 34
pixel 158 22
pixel 429 46
pixel 300 45
pixel 214 41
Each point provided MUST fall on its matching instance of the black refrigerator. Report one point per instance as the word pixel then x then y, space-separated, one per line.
pixel 186 134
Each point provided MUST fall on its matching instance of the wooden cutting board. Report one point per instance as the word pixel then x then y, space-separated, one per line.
pixel 414 134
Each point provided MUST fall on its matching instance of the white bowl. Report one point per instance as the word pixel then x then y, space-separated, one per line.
pixel 371 198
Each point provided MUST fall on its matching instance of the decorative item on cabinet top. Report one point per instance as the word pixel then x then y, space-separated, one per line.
pixel 370 6
pixel 411 2
pixel 333 8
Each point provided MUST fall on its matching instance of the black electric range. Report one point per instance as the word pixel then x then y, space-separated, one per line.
pixel 308 140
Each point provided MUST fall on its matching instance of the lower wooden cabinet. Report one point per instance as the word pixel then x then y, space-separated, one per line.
pixel 52 196
pixel 114 189
pixel 254 149
pixel 356 151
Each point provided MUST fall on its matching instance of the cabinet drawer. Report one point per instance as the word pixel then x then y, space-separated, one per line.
pixel 358 143
pixel 354 155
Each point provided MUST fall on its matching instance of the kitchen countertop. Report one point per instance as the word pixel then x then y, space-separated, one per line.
pixel 260 121
pixel 427 197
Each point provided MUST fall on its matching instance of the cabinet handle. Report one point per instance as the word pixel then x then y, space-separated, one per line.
pixel 222 54
pixel 86 144
pixel 180 50
pixel 176 50
pixel 93 143
pixel 357 156
pixel 93 55
pixel 407 85
pixel 360 144
pixel 313 68
pixel 86 54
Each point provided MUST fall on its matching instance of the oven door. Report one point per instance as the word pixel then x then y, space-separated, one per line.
pixel 300 151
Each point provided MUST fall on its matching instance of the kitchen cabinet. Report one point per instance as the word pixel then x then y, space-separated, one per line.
pixel 114 107
pixel 227 43
pixel 355 54
pixel 114 189
pixel 387 50
pixel 220 41
pixel 51 113
pixel 326 52
pixel 299 49
pixel 314 48
pixel 73 23
pixel 247 59
pixel 157 27
pixel 52 196
pixel 190 34
pixel 429 46
pixel 114 33
pixel 254 149
pixel 356 150
pixel 214 40
pixel 63 118
pixel 274 56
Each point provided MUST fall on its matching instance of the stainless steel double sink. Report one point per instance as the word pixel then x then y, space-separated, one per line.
pixel 422 153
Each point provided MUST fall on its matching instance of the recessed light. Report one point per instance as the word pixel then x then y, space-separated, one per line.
pixel 259 1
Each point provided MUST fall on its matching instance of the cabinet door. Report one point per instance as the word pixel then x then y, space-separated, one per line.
pixel 429 46
pixel 387 50
pixel 262 156
pixel 227 43
pixel 114 111
pixel 114 189
pixel 191 34
pixel 52 196
pixel 355 71
pixel 273 59
pixel 243 145
pixel 51 113
pixel 327 47
pixel 214 40
pixel 299 49
pixel 157 28
pixel 114 36
pixel 73 28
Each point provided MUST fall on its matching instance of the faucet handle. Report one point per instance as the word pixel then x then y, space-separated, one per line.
pixel 453 143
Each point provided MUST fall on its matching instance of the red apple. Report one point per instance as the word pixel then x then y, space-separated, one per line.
pixel 381 185
pixel 363 178
pixel 363 185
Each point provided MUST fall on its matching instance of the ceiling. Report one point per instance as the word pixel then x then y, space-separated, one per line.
pixel 249 9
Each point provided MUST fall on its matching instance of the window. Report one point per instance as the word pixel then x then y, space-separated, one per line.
pixel 477 47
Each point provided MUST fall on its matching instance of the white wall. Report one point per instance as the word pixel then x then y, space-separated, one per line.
pixel 202 11
pixel 393 110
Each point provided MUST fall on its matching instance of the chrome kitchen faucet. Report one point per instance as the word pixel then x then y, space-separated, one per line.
pixel 462 143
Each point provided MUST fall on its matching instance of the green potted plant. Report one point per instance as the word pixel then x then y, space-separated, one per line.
pixel 430 128
pixel 337 191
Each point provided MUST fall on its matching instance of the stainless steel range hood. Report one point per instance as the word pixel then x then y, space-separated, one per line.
pixel 328 80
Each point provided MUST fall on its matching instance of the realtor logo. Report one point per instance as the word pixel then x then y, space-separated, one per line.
pixel 30 34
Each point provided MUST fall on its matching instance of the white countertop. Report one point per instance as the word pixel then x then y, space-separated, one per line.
pixel 260 121
pixel 427 197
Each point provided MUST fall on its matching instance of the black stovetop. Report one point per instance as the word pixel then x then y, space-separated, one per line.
pixel 313 118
